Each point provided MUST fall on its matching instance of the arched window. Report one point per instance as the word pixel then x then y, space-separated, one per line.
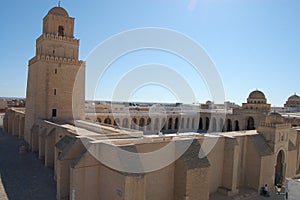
pixel 61 31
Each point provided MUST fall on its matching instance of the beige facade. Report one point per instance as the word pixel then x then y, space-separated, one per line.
pixel 239 160
pixel 54 73
pixel 250 147
pixel 199 120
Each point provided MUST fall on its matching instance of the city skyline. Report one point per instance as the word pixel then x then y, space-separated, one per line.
pixel 254 45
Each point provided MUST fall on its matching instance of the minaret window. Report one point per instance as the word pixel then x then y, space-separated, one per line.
pixel 54 113
pixel 55 71
pixel 54 92
pixel 61 31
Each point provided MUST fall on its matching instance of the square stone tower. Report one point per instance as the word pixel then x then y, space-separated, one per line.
pixel 56 78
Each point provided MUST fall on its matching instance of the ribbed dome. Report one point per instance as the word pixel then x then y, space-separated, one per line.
pixel 257 95
pixel 275 118
pixel 294 98
pixel 59 11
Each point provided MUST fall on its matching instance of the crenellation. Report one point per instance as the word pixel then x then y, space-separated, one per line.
pixel 53 37
pixel 56 60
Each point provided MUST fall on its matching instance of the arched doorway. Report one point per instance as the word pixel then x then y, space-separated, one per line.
pixel 207 123
pixel 107 121
pixel 200 127
pixel 250 123
pixel 229 125
pixel 170 123
pixel 221 125
pixel 280 168
pixel 236 125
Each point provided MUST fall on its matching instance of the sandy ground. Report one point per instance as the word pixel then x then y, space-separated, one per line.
pixel 23 176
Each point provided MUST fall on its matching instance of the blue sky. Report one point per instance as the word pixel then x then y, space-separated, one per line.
pixel 255 44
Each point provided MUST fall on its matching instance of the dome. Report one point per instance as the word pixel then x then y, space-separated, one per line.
pixel 275 118
pixel 257 95
pixel 294 98
pixel 59 11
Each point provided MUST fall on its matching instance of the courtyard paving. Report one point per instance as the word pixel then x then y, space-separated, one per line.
pixel 23 176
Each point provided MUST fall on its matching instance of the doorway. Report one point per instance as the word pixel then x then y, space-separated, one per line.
pixel 280 168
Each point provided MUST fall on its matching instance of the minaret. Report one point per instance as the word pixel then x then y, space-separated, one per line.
pixel 53 72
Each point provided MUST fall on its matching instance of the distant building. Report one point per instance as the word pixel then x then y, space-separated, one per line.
pixel 293 102
pixel 3 106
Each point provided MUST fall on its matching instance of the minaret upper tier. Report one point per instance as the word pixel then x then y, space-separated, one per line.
pixel 57 42
pixel 58 22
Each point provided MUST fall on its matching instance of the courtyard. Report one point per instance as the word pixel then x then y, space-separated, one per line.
pixel 23 176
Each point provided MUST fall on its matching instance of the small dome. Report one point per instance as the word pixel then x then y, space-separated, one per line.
pixel 257 95
pixel 209 102
pixel 294 98
pixel 59 11
pixel 275 118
